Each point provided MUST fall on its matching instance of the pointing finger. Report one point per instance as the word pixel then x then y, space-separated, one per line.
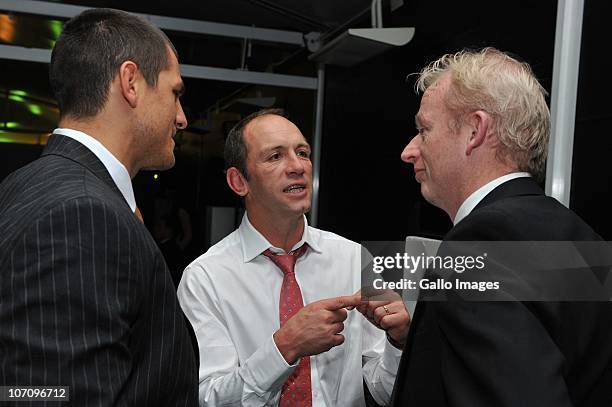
pixel 346 301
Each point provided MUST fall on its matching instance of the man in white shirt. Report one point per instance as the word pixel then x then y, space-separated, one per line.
pixel 234 293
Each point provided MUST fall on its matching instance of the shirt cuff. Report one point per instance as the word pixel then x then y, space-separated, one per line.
pixel 391 356
pixel 266 369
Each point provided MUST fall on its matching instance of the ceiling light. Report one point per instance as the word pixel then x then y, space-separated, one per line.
pixel 359 44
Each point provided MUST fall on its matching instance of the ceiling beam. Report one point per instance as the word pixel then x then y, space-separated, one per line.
pixel 256 78
pixel 45 8
pixel 12 52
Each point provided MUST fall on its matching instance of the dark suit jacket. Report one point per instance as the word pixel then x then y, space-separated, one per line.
pixel 86 300
pixel 519 354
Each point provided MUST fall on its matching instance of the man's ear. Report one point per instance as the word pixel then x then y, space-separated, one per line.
pixel 480 123
pixel 128 75
pixel 237 182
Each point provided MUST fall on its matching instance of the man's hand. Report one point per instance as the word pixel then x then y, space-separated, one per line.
pixel 389 315
pixel 315 328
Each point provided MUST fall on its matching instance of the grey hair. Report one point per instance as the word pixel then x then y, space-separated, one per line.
pixel 493 81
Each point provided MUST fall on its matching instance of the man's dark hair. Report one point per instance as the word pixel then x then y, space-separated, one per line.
pixel 90 50
pixel 235 152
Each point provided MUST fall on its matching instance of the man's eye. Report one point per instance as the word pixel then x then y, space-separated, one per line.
pixel 274 156
pixel 304 153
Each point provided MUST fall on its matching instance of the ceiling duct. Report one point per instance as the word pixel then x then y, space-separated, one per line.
pixel 359 44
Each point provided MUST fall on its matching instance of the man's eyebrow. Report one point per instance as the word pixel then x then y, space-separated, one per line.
pixel 267 150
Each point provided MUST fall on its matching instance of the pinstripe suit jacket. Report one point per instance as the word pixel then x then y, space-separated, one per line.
pixel 86 300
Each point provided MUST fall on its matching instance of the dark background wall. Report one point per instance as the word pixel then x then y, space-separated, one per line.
pixel 591 174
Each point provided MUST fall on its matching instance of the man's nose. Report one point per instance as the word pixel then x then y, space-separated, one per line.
pixel 411 151
pixel 181 119
pixel 296 164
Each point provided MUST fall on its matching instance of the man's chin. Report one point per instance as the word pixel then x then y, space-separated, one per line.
pixel 307 204
pixel 426 194
pixel 430 198
pixel 162 166
pixel 300 210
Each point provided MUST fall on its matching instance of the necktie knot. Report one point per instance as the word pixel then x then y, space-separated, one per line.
pixel 286 262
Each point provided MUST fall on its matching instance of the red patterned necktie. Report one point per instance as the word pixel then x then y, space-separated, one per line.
pixel 297 391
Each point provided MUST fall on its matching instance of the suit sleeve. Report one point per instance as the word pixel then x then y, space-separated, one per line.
pixel 380 362
pixel 498 353
pixel 70 301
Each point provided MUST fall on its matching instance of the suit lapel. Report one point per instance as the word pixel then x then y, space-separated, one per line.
pixel 73 150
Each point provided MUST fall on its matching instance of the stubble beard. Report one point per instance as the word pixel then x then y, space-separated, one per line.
pixel 153 155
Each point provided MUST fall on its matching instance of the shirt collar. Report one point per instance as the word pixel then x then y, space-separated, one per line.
pixel 115 168
pixel 470 203
pixel 254 243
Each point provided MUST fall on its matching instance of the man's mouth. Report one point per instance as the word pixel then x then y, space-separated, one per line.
pixel 295 188
pixel 417 174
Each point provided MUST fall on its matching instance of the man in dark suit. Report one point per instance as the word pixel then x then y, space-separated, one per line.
pixel 86 300
pixel 483 133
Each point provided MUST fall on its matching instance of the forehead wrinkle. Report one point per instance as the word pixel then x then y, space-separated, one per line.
pixel 271 127
pixel 432 97
pixel 438 88
pixel 272 124
pixel 276 146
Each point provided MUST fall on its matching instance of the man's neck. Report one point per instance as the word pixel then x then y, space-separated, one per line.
pixel 482 178
pixel 107 137
pixel 280 232
pixel 480 191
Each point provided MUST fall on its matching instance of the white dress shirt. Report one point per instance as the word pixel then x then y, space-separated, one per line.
pixel 231 296
pixel 474 199
pixel 115 168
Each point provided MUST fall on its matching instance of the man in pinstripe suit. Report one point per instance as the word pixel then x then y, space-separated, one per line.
pixel 86 300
